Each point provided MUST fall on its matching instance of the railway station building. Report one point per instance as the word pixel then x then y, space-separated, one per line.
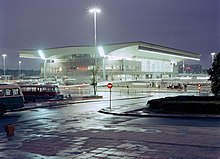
pixel 114 62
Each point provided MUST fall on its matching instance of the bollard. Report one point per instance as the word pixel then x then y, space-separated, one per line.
pixel 9 129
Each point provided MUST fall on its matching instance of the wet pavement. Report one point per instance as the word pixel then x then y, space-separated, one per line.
pixel 78 130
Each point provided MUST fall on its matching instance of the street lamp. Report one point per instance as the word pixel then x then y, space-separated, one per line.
pixel 42 56
pixel 213 56
pixel 94 11
pixel 4 56
pixel 19 68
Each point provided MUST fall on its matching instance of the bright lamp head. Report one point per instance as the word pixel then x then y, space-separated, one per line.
pixel 95 10
pixel 213 53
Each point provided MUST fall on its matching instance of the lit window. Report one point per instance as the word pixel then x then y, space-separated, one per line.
pixel 8 92
pixel 1 92
pixel 16 91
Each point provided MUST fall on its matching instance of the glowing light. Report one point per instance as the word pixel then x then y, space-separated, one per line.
pixel 179 56
pixel 41 54
pixel 4 55
pixel 95 10
pixel 101 51
pixel 185 78
pixel 213 56
pixel 203 78
pixel 213 53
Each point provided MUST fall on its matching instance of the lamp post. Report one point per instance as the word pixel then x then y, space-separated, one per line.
pixel 41 54
pixel 19 68
pixel 94 11
pixel 4 56
pixel 213 56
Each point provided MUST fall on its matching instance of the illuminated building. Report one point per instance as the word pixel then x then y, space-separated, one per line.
pixel 124 61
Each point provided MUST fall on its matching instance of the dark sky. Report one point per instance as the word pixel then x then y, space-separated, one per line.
pixel 191 25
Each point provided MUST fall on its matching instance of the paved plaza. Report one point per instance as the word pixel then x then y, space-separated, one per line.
pixel 79 131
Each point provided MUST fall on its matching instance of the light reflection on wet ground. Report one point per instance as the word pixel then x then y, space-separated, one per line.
pixel 79 131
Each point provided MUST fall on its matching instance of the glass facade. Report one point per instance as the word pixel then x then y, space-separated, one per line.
pixel 156 66
pixel 78 66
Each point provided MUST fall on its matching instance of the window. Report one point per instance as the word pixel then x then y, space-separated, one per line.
pixel 8 92
pixel 1 93
pixel 16 91
pixel 43 89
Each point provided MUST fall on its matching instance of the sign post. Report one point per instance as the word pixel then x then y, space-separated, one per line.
pixel 109 85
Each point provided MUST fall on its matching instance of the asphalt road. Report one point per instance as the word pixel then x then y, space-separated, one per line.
pixel 80 131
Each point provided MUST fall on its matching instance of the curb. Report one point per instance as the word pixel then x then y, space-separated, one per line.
pixel 151 114
pixel 132 113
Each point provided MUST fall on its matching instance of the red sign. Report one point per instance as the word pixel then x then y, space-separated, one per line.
pixel 109 85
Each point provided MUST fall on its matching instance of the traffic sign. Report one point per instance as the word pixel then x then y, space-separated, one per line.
pixel 109 85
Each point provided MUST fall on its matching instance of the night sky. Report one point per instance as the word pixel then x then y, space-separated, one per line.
pixel 190 25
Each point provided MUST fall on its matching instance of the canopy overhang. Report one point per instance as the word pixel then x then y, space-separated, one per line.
pixel 133 50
